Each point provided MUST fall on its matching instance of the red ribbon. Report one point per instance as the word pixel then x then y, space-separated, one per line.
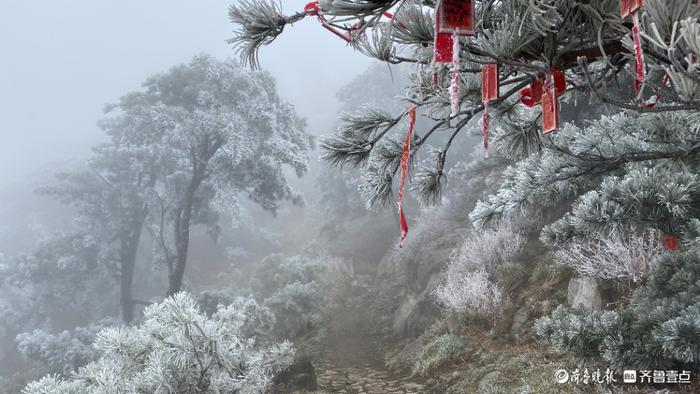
pixel 312 8
pixel 489 91
pixel 456 80
pixel 485 120
pixel 532 95
pixel 405 156
pixel 671 242
pixel 638 54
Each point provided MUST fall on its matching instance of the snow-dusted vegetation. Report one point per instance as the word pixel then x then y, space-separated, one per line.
pixel 507 192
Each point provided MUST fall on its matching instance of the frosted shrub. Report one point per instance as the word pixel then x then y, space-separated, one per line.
pixel 297 307
pixel 439 351
pixel 467 285
pixel 177 349
pixel 487 249
pixel 659 329
pixel 291 289
pixel 615 257
pixel 66 351
pixel 472 292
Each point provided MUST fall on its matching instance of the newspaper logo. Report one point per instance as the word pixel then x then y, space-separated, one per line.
pixel 561 376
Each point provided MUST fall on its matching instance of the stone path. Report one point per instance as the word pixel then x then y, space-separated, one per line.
pixel 362 381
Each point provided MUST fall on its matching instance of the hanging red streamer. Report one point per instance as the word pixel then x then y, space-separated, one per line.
pixel 455 80
pixel 550 106
pixel 638 55
pixel 405 156
pixel 532 95
pixel 627 8
pixel 489 92
pixel 485 120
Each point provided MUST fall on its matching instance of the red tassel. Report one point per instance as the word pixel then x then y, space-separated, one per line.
pixel 638 55
pixel 671 242
pixel 405 156
pixel 485 120
pixel 550 109
pixel 404 226
pixel 532 95
pixel 489 92
pixel 455 80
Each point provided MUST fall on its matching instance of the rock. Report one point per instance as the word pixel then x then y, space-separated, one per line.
pixel 417 312
pixel 489 382
pixel 585 291
pixel 519 319
pixel 299 376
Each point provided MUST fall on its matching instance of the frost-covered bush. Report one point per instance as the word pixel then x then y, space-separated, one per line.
pixel 659 329
pixel 66 351
pixel 439 351
pixel 291 288
pixel 470 291
pixel 297 307
pixel 467 284
pixel 618 257
pixel 178 349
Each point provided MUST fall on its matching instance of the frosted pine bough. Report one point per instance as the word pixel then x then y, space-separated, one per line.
pixel 625 170
pixel 177 349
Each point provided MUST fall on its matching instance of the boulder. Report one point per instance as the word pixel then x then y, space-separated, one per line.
pixel 417 312
pixel 585 292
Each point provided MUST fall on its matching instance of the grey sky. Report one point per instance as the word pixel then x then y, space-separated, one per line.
pixel 63 60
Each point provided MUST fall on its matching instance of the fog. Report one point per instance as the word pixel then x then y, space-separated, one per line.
pixel 64 60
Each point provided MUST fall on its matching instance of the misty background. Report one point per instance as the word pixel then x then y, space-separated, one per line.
pixel 64 60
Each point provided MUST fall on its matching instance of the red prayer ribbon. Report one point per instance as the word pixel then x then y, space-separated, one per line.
pixel 638 54
pixel 671 242
pixel 455 80
pixel 405 156
pixel 485 120
pixel 313 9
pixel 532 95
pixel 489 91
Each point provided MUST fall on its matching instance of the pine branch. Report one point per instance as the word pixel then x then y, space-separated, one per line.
pixel 260 22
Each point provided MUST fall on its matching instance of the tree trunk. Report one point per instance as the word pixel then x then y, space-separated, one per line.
pixel 129 247
pixel 182 234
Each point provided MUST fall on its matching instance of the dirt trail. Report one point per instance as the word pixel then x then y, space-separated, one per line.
pixel 355 346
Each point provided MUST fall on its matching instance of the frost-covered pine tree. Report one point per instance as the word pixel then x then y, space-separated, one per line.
pixel 632 170
pixel 178 349
pixel 589 41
